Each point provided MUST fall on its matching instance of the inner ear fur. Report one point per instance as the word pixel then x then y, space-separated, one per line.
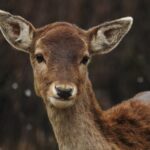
pixel 17 31
pixel 107 36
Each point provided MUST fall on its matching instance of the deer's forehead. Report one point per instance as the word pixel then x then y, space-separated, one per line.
pixel 62 41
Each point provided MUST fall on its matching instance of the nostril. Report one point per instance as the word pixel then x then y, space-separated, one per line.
pixel 64 93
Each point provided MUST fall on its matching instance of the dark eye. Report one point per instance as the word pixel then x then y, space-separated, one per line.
pixel 85 60
pixel 39 58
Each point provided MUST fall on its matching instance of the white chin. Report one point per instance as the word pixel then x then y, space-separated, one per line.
pixel 61 104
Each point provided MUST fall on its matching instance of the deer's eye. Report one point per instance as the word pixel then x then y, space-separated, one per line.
pixel 39 58
pixel 85 60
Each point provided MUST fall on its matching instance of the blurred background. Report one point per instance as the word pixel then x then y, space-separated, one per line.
pixel 116 76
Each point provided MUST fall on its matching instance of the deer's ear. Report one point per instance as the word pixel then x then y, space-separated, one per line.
pixel 106 37
pixel 17 31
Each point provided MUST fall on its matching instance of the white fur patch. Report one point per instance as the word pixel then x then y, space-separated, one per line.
pixel 61 104
pixel 130 19
pixel 3 15
pixel 143 97
pixel 98 41
pixel 25 36
pixel 3 12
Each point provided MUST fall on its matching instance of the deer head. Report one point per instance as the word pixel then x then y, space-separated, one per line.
pixel 60 53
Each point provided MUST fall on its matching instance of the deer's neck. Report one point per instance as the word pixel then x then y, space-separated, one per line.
pixel 75 128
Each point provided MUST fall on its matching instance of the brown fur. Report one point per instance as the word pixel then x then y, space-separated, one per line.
pixel 124 127
pixel 84 126
pixel 129 125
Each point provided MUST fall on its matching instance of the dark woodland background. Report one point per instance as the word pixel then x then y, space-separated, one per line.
pixel 116 76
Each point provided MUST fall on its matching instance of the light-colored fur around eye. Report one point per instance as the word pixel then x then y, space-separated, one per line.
pixel 103 43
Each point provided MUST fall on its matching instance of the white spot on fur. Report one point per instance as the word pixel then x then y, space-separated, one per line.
pixel 74 93
pixel 52 88
pixel 38 50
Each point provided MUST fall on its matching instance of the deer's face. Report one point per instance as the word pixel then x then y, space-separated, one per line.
pixel 60 63
pixel 60 53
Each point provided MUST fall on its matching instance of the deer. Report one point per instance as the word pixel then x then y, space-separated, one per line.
pixel 59 54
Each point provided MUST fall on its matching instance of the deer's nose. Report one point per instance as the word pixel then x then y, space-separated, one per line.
pixel 65 91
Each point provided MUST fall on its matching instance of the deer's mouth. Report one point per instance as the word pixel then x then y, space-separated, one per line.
pixel 61 103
